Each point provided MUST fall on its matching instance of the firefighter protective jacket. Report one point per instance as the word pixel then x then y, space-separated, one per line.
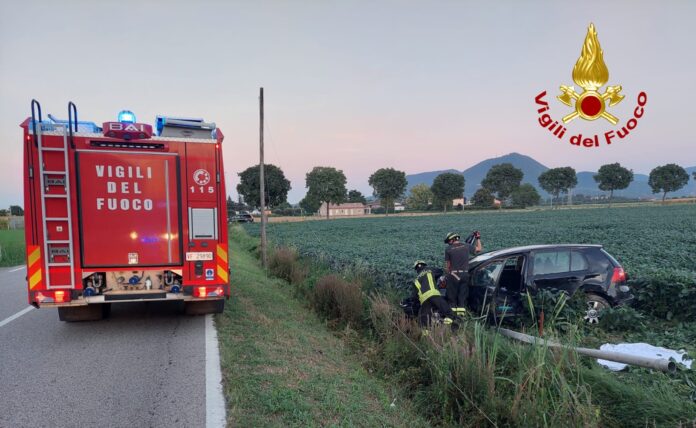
pixel 425 284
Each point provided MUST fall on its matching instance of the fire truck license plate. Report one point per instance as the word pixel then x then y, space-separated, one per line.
pixel 192 257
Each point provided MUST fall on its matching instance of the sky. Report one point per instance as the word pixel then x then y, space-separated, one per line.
pixel 358 85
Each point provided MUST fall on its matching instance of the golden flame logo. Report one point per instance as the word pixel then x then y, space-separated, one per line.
pixel 591 73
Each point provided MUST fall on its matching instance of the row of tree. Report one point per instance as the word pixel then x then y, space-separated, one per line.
pixel 327 185
pixel 15 210
pixel 504 181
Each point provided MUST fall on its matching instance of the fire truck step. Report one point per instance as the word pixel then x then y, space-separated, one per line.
pixel 57 219
pixel 61 241
pixel 135 296
pixel 52 149
pixel 59 264
pixel 54 172
pixel 55 196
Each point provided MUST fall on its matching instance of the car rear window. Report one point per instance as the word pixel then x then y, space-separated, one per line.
pixel 549 262
pixel 578 262
pixel 611 259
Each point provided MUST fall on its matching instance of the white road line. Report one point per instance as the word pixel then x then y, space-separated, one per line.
pixel 214 400
pixel 16 269
pixel 17 315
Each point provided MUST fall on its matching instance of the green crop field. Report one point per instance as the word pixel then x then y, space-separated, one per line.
pixel 646 239
pixel 11 247
pixel 655 244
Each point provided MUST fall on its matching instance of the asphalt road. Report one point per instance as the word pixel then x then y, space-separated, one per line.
pixel 145 366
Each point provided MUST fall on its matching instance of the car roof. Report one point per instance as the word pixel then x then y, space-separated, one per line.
pixel 525 249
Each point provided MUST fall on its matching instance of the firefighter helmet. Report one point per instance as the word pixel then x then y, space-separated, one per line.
pixel 418 263
pixel 450 236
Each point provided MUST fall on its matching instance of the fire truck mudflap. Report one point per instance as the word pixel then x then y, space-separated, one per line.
pixel 124 213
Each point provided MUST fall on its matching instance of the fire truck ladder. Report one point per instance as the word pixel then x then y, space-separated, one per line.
pixel 49 250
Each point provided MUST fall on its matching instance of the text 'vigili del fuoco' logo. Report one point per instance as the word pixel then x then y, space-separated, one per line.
pixel 590 73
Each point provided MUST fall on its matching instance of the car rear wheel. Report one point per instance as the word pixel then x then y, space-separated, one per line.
pixel 595 305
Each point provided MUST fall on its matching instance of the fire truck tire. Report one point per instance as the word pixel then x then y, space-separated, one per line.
pixel 207 307
pixel 81 313
pixel 106 310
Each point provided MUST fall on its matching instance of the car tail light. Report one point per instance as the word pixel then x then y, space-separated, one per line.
pixel 58 296
pixel 619 275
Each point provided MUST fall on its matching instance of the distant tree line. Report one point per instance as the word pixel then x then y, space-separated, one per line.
pixel 502 186
pixel 14 210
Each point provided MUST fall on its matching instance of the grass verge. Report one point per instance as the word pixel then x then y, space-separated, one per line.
pixel 281 366
pixel 11 247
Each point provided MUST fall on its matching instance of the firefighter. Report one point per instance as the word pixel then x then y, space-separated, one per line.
pixel 457 266
pixel 425 289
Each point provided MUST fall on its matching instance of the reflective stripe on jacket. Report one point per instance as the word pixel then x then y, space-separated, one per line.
pixel 425 284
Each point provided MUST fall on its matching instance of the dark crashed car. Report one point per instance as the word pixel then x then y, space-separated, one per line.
pixel 499 279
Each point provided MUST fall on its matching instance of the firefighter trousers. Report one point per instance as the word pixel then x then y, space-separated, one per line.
pixel 435 303
pixel 458 291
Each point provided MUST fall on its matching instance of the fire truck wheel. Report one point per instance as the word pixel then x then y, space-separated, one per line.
pixel 81 313
pixel 207 307
pixel 106 310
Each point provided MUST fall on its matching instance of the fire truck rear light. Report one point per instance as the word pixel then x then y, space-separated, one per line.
pixel 203 291
pixel 58 296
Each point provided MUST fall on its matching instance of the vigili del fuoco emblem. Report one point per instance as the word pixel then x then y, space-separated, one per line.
pixel 590 73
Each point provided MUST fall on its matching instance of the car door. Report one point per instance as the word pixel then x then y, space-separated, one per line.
pixel 550 270
pixel 483 282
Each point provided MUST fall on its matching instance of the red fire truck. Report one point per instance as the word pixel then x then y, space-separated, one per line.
pixel 123 212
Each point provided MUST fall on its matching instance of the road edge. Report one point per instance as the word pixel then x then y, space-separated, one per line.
pixel 214 399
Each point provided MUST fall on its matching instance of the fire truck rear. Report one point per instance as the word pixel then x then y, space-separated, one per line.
pixel 124 212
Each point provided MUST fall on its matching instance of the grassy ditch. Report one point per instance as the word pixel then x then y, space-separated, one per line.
pixel 282 367
pixel 476 377
pixel 11 247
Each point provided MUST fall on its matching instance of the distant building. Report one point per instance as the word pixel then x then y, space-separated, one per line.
pixel 15 222
pixel 373 205
pixel 343 210
pixel 257 212
pixel 458 201
pixel 398 206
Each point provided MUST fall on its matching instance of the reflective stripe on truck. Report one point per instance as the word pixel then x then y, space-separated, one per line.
pixel 222 263
pixel 34 270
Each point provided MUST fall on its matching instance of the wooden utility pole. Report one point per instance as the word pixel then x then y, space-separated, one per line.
pixel 262 184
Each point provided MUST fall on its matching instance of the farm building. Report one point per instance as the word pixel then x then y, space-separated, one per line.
pixel 347 209
pixel 375 204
